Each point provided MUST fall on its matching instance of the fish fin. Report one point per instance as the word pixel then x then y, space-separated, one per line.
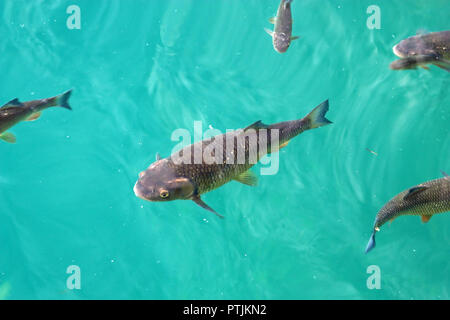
pixel 371 244
pixel 158 156
pixel 443 64
pixel 273 20
pixel 414 191
pixel 8 137
pixel 284 144
pixel 13 103
pixel 294 38
pixel 270 32
pixel 63 100
pixel 34 116
pixel 248 178
pixel 445 175
pixel 257 125
pixel 425 219
pixel 316 118
pixel 425 67
pixel 202 204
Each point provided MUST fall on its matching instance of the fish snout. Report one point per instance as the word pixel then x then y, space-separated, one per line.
pixel 139 191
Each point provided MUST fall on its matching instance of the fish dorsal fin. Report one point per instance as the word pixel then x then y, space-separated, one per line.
pixel 248 178
pixel 13 103
pixel 425 219
pixel 414 191
pixel 158 156
pixel 257 125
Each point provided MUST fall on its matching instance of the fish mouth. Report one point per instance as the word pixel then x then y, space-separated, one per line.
pixel 397 52
pixel 138 192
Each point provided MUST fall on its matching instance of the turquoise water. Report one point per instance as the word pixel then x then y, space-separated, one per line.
pixel 141 69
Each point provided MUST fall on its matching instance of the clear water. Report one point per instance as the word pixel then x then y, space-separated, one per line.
pixel 141 69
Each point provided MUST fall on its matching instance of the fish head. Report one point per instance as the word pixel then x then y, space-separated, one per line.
pixel 407 47
pixel 281 41
pixel 160 183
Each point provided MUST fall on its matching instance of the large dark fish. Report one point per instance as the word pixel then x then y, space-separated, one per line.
pixel 15 111
pixel 171 179
pixel 421 50
pixel 282 34
pixel 425 200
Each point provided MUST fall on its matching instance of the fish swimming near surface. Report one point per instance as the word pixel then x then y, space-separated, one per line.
pixel 423 49
pixel 282 33
pixel 170 179
pixel 425 200
pixel 15 111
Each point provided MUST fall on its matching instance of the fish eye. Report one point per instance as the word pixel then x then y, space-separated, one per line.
pixel 164 193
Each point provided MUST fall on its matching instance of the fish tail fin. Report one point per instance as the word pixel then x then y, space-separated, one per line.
pixel 63 100
pixel 371 244
pixel 316 118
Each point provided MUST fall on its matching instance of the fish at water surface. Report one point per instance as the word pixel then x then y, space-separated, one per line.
pixel 15 112
pixel 423 49
pixel 282 33
pixel 169 179
pixel 424 200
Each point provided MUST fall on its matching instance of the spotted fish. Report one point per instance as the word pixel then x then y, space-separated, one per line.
pixel 425 200
pixel 15 112
pixel 170 179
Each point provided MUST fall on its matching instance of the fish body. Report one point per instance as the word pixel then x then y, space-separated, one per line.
pixel 424 49
pixel 169 179
pixel 282 34
pixel 15 112
pixel 423 200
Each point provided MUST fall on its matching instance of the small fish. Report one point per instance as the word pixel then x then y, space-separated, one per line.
pixel 425 200
pixel 282 35
pixel 15 111
pixel 423 49
pixel 167 180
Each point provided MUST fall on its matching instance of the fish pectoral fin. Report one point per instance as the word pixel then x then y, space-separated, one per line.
pixel 270 32
pixel 12 103
pixel 248 178
pixel 34 116
pixel 202 204
pixel 414 191
pixel 443 64
pixel 8 137
pixel 294 38
pixel 273 20
pixel 425 219
pixel 257 125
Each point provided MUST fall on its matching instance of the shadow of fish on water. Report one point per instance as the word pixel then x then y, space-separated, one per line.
pixel 282 33
pixel 15 112
pixel 425 200
pixel 423 49
pixel 169 179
